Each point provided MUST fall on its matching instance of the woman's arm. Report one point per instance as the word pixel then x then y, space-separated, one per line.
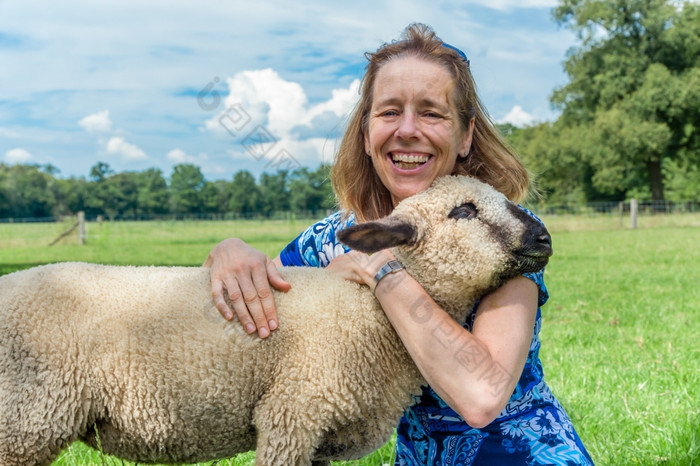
pixel 246 275
pixel 474 372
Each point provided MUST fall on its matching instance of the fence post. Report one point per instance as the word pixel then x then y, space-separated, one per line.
pixel 81 228
pixel 621 208
pixel 634 208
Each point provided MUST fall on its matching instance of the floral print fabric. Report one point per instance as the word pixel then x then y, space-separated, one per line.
pixel 533 428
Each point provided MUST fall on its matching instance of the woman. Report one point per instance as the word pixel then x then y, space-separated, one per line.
pixel 419 118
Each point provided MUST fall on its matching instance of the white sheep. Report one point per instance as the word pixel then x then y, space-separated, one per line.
pixel 138 360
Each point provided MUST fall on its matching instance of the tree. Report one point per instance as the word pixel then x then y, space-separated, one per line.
pixel 244 194
pixel 153 193
pixel 274 193
pixel 311 190
pixel 97 192
pixel 5 210
pixel 634 89
pixel 552 154
pixel 123 194
pixel 216 196
pixel 100 171
pixel 70 197
pixel 29 191
pixel 186 184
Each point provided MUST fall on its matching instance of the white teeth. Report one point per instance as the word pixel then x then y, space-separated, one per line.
pixel 409 158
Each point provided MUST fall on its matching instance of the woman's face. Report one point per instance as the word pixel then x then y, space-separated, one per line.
pixel 414 134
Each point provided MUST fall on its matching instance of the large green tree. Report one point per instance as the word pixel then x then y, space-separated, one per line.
pixel 274 193
pixel 27 191
pixel 98 191
pixel 186 185
pixel 311 190
pixel 153 193
pixel 634 91
pixel 244 194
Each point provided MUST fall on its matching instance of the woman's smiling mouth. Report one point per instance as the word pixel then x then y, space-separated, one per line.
pixel 408 161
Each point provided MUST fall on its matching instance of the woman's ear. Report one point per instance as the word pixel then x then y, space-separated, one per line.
pixel 466 148
pixel 365 138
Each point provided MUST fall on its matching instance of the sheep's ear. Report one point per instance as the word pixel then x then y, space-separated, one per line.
pixel 374 236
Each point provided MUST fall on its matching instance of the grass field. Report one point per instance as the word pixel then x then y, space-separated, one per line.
pixel 620 332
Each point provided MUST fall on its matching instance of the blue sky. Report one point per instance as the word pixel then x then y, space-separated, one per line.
pixel 231 85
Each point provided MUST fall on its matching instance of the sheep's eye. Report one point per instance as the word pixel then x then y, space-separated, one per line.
pixel 465 211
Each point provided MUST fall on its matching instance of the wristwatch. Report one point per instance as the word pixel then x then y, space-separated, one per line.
pixel 392 266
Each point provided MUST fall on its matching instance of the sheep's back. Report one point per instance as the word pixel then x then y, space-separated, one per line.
pixel 143 353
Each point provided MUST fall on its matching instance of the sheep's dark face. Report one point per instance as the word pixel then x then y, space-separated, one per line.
pixel 460 238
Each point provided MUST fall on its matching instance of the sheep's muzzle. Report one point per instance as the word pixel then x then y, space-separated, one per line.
pixel 535 244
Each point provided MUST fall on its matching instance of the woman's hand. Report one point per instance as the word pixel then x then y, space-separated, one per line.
pixel 246 275
pixel 360 267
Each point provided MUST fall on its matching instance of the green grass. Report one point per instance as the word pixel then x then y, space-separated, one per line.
pixel 137 243
pixel 619 339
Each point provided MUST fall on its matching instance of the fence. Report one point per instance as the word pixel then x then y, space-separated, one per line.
pixel 625 208
pixel 281 215
pixel 644 207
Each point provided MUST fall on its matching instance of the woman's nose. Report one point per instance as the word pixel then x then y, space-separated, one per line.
pixel 407 128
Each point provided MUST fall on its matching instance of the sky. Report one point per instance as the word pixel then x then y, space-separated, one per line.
pixel 233 85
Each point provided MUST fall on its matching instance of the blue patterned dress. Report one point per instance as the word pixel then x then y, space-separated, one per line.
pixel 533 429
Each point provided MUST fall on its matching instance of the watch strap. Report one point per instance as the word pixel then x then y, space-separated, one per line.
pixel 390 267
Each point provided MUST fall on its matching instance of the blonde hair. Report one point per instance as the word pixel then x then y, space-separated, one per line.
pixel 490 158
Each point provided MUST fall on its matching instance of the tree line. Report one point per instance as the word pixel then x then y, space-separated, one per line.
pixel 629 127
pixel 35 191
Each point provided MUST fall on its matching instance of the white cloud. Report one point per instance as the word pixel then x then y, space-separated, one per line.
pixel 264 97
pixel 180 156
pixel 177 156
pixel 261 101
pixel 341 102
pixel 97 122
pixel 18 155
pixel 118 146
pixel 518 117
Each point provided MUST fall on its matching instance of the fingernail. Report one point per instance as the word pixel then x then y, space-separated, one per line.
pixel 250 328
pixel 273 324
pixel 263 332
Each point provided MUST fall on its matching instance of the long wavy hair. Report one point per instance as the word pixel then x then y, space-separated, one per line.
pixel 490 159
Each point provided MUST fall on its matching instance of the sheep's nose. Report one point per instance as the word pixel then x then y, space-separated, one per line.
pixel 545 241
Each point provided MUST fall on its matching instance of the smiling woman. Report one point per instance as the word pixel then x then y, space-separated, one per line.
pixel 418 119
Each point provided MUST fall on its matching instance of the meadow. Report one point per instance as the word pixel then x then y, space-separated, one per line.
pixel 619 339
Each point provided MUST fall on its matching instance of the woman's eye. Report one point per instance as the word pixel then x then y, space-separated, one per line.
pixel 464 212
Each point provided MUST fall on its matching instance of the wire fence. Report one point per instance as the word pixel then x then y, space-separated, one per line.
pixel 617 208
pixel 281 215
pixel 587 209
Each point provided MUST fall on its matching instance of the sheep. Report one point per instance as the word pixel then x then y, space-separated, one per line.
pixel 137 360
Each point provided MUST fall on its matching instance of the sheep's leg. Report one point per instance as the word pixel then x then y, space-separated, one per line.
pixel 285 437
pixel 39 411
pixel 282 447
pixel 34 426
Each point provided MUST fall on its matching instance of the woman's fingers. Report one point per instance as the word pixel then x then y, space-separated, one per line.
pixel 217 293
pixel 247 276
